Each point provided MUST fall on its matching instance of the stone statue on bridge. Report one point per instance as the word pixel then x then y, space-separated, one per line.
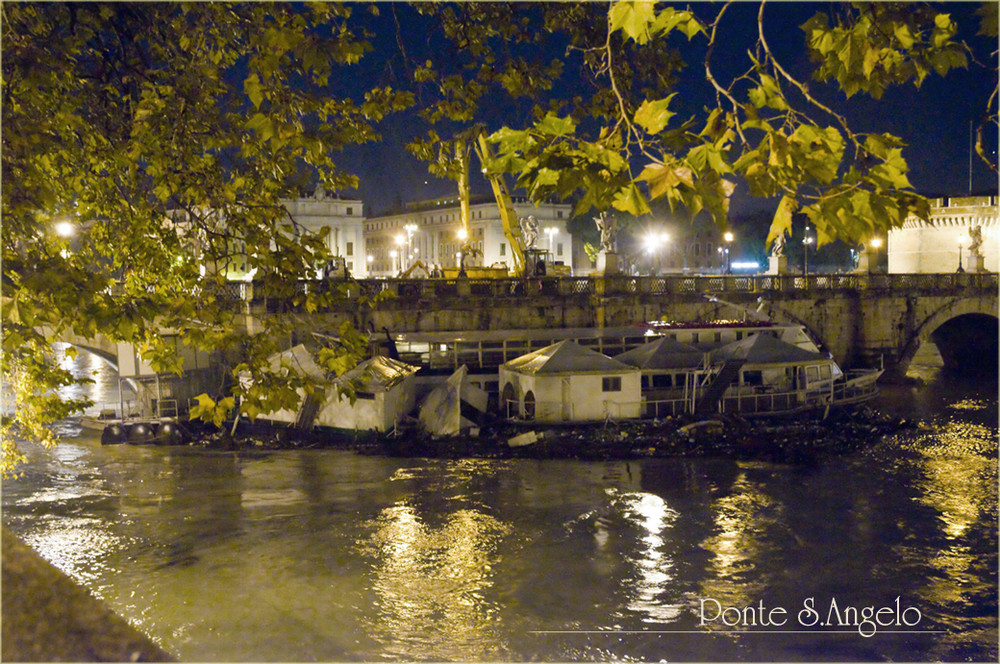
pixel 778 248
pixel 975 240
pixel 607 228
pixel 529 228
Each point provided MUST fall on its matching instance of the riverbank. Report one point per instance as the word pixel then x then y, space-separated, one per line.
pixel 49 618
pixel 780 440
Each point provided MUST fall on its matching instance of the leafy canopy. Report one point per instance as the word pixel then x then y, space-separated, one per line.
pixel 164 137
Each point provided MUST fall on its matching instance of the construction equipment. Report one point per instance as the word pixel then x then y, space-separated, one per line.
pixel 527 260
pixel 508 216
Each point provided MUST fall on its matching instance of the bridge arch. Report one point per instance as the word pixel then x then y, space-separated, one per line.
pixel 965 330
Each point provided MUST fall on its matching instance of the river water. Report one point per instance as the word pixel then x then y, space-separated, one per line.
pixel 887 554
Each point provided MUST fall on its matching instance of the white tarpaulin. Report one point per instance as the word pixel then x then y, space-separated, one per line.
pixel 453 406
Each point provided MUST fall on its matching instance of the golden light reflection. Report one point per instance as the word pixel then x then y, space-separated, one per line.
pixel 431 583
pixel 652 514
pixel 77 546
pixel 740 519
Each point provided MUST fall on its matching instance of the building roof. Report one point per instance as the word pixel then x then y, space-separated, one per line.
pixel 566 356
pixel 663 353
pixel 765 349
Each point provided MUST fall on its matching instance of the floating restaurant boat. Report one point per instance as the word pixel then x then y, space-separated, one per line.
pixel 745 367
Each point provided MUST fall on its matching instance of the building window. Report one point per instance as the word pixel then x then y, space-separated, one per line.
pixel 350 248
pixel 350 211
pixel 611 384
pixel 503 249
pixel 559 214
pixel 558 248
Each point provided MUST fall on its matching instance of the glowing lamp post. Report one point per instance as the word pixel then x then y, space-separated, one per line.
pixel 410 230
pixel 728 237
pixel 65 228
pixel 875 244
pixel 652 243
pixel 552 231
pixel 806 241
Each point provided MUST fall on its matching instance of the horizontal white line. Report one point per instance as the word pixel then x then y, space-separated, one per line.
pixel 727 632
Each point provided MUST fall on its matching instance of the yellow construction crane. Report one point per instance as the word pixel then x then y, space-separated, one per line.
pixel 508 216
pixel 525 260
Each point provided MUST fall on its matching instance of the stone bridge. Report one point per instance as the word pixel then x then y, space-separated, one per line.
pixel 862 319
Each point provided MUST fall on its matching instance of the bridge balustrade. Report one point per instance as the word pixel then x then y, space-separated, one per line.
pixel 412 290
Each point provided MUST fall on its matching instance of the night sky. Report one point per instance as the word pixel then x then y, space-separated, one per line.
pixel 933 119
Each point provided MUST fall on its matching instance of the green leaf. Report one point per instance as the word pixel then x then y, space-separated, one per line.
pixel 633 17
pixel 631 200
pixel 252 88
pixel 553 125
pixel 653 116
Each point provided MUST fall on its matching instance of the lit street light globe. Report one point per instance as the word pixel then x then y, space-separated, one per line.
pixel 65 229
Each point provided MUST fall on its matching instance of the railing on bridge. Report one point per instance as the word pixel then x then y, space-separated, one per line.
pixel 567 287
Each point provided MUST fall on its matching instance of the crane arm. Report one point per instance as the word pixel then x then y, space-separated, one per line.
pixel 511 225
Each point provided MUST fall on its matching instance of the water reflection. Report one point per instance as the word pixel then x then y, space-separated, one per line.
pixel 654 566
pixel 742 519
pixel 432 584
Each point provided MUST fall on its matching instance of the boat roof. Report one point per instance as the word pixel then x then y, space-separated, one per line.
pixel 566 356
pixel 664 353
pixel 298 358
pixel 765 349
pixel 654 328
pixel 523 334
pixel 378 373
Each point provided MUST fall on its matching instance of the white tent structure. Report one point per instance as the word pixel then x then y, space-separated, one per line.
pixel 383 388
pixel 300 361
pixel 384 392
pixel 453 406
pixel 566 382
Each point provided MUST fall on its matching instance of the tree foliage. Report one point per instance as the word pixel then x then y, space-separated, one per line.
pixel 630 143
pixel 766 127
pixel 166 134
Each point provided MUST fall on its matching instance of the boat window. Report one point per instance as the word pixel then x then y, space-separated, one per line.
pixel 753 378
pixel 663 380
pixel 611 384
pixel 812 373
pixel 739 335
pixel 825 372
pixel 645 382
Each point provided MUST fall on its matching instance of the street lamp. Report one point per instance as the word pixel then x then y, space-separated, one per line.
pixel 728 237
pixel 65 228
pixel 806 241
pixel 551 231
pixel 410 230
pixel 961 241
pixel 652 242
pixel 875 244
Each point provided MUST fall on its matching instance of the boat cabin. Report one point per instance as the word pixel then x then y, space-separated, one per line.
pixel 566 382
